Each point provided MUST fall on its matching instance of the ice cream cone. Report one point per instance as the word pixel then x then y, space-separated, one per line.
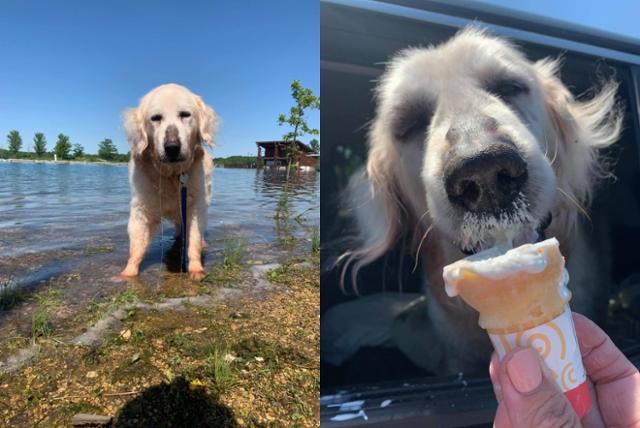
pixel 522 298
pixel 514 291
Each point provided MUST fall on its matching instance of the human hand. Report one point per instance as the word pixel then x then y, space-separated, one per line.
pixel 528 396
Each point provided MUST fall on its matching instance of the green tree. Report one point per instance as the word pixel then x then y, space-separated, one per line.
pixel 63 147
pixel 78 150
pixel 107 150
pixel 304 100
pixel 39 144
pixel 15 142
pixel 315 145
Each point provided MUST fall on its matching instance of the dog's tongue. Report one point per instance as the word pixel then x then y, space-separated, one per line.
pixel 529 236
pixel 507 239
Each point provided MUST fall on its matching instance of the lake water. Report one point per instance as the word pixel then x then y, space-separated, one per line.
pixel 59 217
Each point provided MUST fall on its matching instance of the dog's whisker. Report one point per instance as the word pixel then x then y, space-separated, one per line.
pixel 555 154
pixel 415 266
pixel 546 147
pixel 423 215
pixel 573 201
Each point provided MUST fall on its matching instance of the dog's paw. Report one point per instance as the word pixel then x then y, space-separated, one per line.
pixel 196 275
pixel 125 275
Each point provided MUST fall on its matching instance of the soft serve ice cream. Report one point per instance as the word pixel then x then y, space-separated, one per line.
pixel 523 300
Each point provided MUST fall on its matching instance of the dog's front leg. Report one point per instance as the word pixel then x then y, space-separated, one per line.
pixel 196 224
pixel 141 229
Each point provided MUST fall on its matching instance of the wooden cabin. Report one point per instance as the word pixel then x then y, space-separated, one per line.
pixel 272 154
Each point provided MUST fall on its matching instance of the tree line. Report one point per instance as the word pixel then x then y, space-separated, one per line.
pixel 63 149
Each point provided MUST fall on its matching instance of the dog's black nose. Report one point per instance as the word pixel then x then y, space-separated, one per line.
pixel 172 143
pixel 487 181
pixel 172 149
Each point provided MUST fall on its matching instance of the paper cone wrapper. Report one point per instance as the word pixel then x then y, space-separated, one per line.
pixel 557 344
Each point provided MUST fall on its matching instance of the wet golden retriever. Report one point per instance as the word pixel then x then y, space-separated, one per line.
pixel 471 138
pixel 166 132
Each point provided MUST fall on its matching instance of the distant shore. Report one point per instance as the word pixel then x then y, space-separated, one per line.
pixel 218 163
pixel 66 161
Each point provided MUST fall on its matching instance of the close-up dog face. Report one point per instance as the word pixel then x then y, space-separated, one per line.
pixel 169 123
pixel 476 139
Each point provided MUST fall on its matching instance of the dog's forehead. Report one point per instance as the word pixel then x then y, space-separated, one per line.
pixel 466 59
pixel 170 96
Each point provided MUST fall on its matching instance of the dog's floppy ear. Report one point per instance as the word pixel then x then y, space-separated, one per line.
pixel 136 134
pixel 575 134
pixel 377 203
pixel 207 122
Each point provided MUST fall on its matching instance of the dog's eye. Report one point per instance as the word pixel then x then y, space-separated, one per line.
pixel 507 89
pixel 411 121
pixel 156 118
pixel 184 114
pixel 418 127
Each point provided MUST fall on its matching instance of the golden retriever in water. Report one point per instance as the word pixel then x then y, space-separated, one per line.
pixel 166 132
pixel 471 138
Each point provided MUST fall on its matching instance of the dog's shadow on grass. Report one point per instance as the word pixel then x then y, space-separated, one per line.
pixel 175 404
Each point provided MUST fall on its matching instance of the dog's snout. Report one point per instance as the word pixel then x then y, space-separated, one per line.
pixel 171 134
pixel 172 142
pixel 487 181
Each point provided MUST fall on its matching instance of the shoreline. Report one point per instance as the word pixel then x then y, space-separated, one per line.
pixel 68 162
pixel 62 162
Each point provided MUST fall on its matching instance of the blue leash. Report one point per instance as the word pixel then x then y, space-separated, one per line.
pixel 184 178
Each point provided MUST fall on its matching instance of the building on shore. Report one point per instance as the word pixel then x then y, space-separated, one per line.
pixel 272 154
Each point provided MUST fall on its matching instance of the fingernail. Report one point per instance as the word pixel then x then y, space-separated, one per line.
pixel 524 371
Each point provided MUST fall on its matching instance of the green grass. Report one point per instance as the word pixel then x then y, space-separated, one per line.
pixel 233 251
pixel 125 297
pixel 91 250
pixel 41 325
pixel 315 240
pixel 218 369
pixel 229 271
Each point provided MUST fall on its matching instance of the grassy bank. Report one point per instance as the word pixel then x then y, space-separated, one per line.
pixel 251 360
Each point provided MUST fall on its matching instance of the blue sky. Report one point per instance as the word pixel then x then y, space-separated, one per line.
pixel 616 16
pixel 73 66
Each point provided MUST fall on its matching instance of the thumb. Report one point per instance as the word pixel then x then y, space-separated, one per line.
pixel 530 396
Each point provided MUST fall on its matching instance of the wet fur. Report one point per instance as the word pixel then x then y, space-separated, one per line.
pixel 400 195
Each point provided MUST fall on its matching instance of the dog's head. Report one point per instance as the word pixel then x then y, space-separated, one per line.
pixel 474 140
pixel 169 122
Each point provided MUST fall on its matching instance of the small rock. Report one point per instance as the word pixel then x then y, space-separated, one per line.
pixel 88 420
pixel 125 334
pixel 92 374
pixel 229 358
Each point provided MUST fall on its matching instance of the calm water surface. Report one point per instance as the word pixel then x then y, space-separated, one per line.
pixel 48 210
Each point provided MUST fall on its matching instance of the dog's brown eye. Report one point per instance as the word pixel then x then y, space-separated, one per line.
pixel 156 118
pixel 184 114
pixel 507 89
